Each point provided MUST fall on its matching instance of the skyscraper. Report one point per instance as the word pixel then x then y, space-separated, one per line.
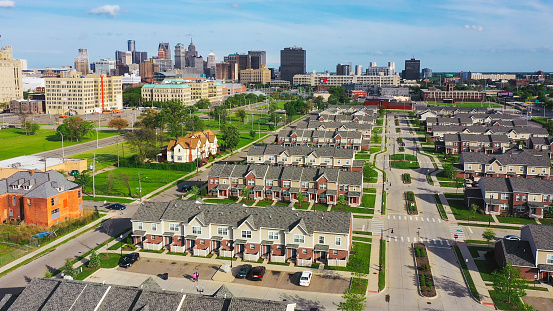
pixel 81 62
pixel 11 76
pixel 163 51
pixel 191 53
pixel 130 46
pixel 292 62
pixel 180 56
pixel 212 64
pixel 412 69
pixel 258 59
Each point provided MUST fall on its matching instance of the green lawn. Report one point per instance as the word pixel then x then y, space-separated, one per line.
pixel 359 286
pixel 462 213
pixel 401 157
pixel 304 205
pixel 475 249
pixel 6 248
pixel 105 156
pixel 369 190
pixel 358 210
pixel 12 141
pixel 374 149
pixel 406 165
pixel 150 179
pixel 450 195
pixel 363 239
pixel 485 270
pixel 500 301
pixel 282 204
pixel 363 232
pixel 226 200
pixel 109 260
pixel 466 272
pixel 362 216
pixel 362 156
pixel 264 203
pixel 319 207
pixel 370 175
pixel 515 220
pixel 547 221
pixel 109 200
pixel 368 200
pixel 363 251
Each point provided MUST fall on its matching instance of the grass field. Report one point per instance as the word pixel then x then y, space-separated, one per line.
pixel 109 200
pixel 150 179
pixel 12 140
pixel 515 220
pixel 106 156
pixel 461 212
pixel 6 248
pixel 319 207
pixel 264 203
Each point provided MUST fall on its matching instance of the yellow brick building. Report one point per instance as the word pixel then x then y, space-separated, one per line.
pixel 262 75
pixel 187 91
pixel 10 76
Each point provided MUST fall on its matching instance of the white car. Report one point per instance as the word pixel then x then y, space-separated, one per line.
pixel 305 278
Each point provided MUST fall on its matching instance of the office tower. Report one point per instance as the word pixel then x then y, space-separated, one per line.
pixel 412 69
pixel 292 62
pixel 258 59
pixel 104 66
pixel 211 64
pixel 139 57
pixel 350 68
pixel 163 51
pixel 342 69
pixel 244 62
pixel 191 53
pixel 427 73
pixel 63 94
pixel 222 70
pixel 180 56
pixel 131 46
pixel 358 70
pixel 11 76
pixel 375 70
pixel 81 62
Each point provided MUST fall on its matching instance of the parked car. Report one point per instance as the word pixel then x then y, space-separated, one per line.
pixel 305 278
pixel 511 237
pixel 243 272
pixel 257 273
pixel 129 259
pixel 186 188
pixel 116 206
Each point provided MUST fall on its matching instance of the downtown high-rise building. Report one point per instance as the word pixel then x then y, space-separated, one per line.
pixel 11 76
pixel 81 62
pixel 258 59
pixel 131 47
pixel 164 51
pixel 191 54
pixel 180 56
pixel 412 69
pixel 292 62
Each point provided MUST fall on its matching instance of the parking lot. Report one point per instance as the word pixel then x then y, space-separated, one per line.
pixel 326 283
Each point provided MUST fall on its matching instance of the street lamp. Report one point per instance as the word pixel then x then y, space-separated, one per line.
pixel 62 150
pixel 121 245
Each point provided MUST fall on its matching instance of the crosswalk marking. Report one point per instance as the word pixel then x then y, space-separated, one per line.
pixel 428 219
pixel 441 242
pixel 410 217
pixel 395 238
pixel 433 220
pixel 394 216
pixel 422 218
pixel 416 218
pixel 434 241
pixel 401 239
pixel 405 217
pixel 408 240
pixel 439 220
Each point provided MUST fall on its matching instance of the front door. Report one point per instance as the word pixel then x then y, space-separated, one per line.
pixel 323 255
pixel 240 248
pixel 217 245
pixel 293 253
pixel 192 243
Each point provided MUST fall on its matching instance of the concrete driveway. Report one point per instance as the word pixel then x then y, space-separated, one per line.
pixel 178 269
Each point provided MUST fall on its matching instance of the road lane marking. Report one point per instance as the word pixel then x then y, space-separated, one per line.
pixel 434 241
pixel 441 242
pixel 427 219
pixel 416 218
pixel 433 220
pixel 395 238
pixel 408 239
pixel 389 238
pixel 405 217
pixel 401 239
pixel 388 216
pixel 439 220
pixel 427 240
pixel 422 218
pixel 470 230
pixel 394 216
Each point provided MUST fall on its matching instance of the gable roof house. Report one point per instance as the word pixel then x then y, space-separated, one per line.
pixel 198 145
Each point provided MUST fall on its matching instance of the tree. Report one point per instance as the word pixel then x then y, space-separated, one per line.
pixel 68 268
pixel 488 235
pixel 458 183
pixel 194 123
pixel 83 178
pixel 75 128
pixel 109 181
pixel 132 96
pixel 473 208
pixel 352 302
pixel 118 123
pixel 509 282
pixel 94 261
pixel 342 200
pixel 23 118
pixel 143 141
pixel 252 133
pixel 148 119
pixel 449 171
pixel 125 179
pixel 299 197
pixel 31 127
pixel 246 193
pixel 220 114
pixel 241 114
pixel 231 136
pixel 203 103
pixel 172 114
pixel 194 192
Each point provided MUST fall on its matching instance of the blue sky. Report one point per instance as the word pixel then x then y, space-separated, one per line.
pixel 447 35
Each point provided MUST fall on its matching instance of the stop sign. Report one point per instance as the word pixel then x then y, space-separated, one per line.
pixel 455 236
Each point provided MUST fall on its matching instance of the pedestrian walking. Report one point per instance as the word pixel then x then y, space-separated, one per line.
pixel 197 276
pixel 194 277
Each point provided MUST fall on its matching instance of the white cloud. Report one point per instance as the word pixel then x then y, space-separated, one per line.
pixel 111 10
pixel 7 4
pixel 478 28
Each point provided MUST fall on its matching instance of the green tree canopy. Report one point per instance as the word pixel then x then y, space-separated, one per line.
pixel 143 141
pixel 509 282
pixel 231 136
pixel 241 114
pixel 203 103
pixel 132 96
pixel 75 128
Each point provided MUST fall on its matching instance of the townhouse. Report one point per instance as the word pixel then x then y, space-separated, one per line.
pixel 457 143
pixel 199 145
pixel 363 119
pixel 465 120
pixel 541 144
pixel 275 233
pixel 305 156
pixel 364 128
pixel 321 185
pixel 443 111
pixel 317 138
pixel 514 134
pixel 532 254
pixel 39 198
pixel 367 110
pixel 513 196
pixel 523 163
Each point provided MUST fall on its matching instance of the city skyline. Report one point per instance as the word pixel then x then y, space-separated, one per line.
pixel 481 36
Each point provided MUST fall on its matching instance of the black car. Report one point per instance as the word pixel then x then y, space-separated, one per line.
pixel 243 272
pixel 257 273
pixel 129 259
pixel 116 206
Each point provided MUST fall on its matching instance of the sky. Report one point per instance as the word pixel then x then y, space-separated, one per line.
pixel 446 35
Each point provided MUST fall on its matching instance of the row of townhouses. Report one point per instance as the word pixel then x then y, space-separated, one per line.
pixel 364 129
pixel 322 185
pixel 513 196
pixel 358 110
pixel 541 144
pixel 199 145
pixel 342 118
pixel 523 163
pixel 513 133
pixel 486 120
pixel 305 156
pixel 425 112
pixel 317 138
pixel 276 233
pixel 457 143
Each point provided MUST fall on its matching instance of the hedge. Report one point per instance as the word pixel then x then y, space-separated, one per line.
pixel 185 167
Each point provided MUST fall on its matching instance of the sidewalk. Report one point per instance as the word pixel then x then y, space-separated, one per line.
pixel 56 242
pixel 481 287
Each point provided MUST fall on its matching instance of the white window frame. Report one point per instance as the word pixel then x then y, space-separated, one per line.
pixel 174 227
pixel 196 230
pixel 222 231
pixel 273 235
pixel 154 227
pixel 246 234
pixel 139 226
pixel 321 239
pixel 338 241
pixel 299 238
pixel 549 259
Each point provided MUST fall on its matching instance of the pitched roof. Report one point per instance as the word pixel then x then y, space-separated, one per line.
pixel 193 140
pixel 542 235
pixel 37 184
pixel 518 253
pixel 150 284
pixel 514 157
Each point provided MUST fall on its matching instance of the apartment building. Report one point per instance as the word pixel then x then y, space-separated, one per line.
pixel 40 198
pixel 11 76
pixel 275 233
pixel 83 94
pixel 339 80
pixel 198 145
pixel 362 119
pixel 514 134
pixel 329 157
pixel 187 91
pixel 358 110
pixel 541 144
pixel 523 163
pixel 530 197
pixel 364 128
pixel 338 139
pixel 255 76
pixel 283 183
pixel 457 143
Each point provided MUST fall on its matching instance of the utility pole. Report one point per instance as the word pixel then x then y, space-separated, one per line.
pixel 139 186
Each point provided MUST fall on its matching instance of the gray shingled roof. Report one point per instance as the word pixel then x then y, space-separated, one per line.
pixel 531 185
pixel 150 284
pixel 518 253
pixel 43 184
pixel 512 157
pixel 494 184
pixel 233 214
pixel 542 235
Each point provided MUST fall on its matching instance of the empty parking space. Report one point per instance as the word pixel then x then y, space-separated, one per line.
pixel 173 268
